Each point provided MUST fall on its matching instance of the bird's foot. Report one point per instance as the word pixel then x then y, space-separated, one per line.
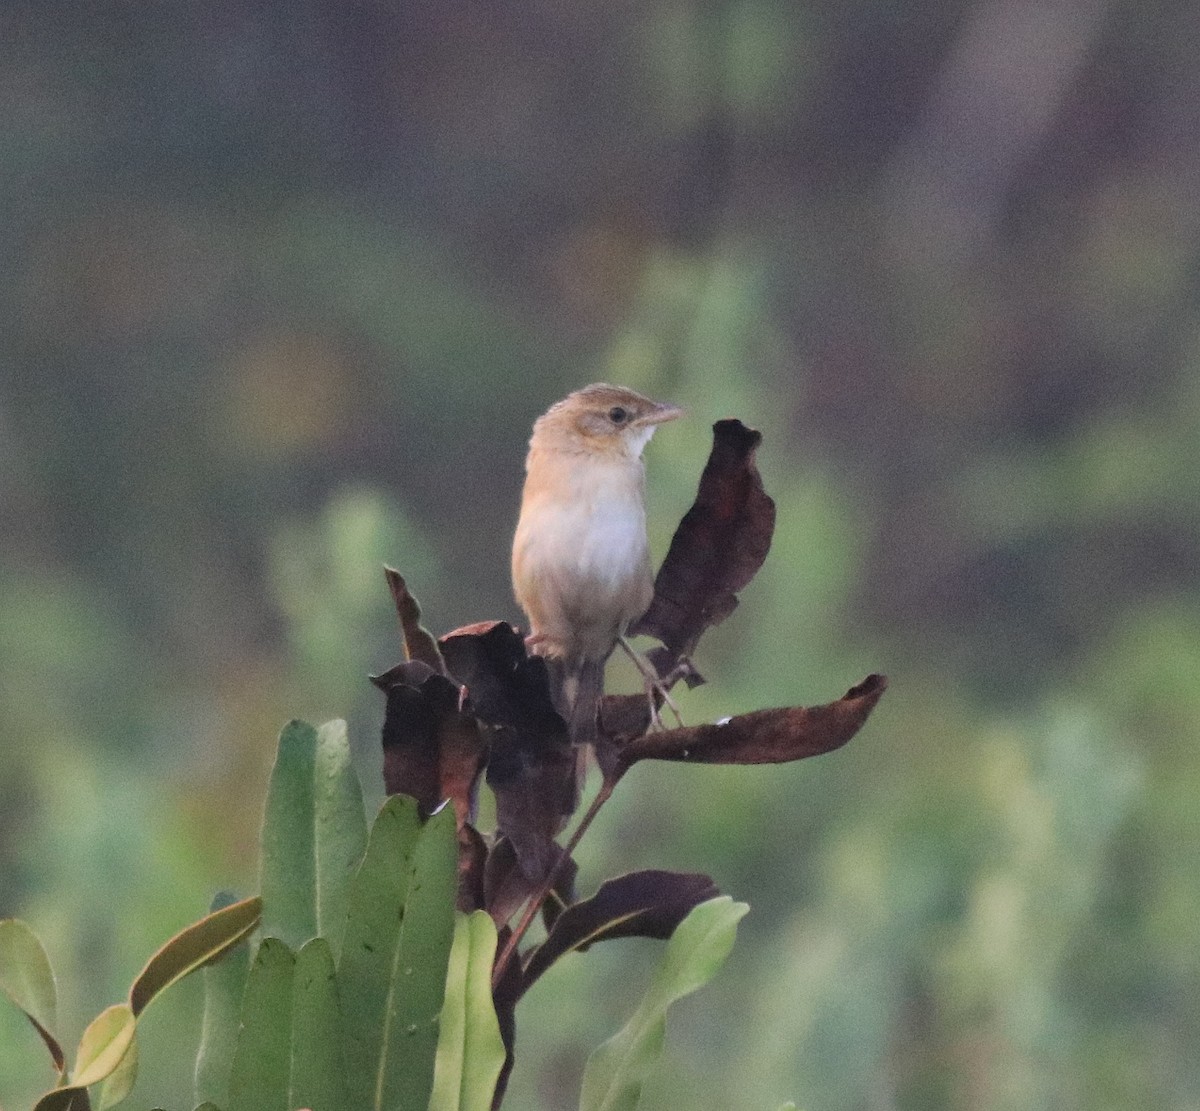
pixel 532 641
pixel 656 688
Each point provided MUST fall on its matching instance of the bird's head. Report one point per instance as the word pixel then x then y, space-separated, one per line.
pixel 602 419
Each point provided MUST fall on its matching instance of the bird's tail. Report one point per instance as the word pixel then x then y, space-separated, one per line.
pixel 576 686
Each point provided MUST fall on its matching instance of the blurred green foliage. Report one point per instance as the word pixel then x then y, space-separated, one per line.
pixel 283 290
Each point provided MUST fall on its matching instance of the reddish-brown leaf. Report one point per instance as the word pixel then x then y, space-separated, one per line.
pixel 532 769
pixel 507 686
pixel 623 716
pixel 535 785
pixel 432 748
pixel 506 886
pixel 717 549
pixel 764 736
pixel 418 641
pixel 640 904
pixel 472 860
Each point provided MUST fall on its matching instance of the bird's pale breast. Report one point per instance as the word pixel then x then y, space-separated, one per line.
pixel 581 562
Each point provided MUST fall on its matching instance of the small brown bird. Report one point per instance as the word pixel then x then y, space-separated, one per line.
pixel 581 561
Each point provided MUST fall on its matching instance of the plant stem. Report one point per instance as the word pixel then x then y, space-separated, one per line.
pixel 535 903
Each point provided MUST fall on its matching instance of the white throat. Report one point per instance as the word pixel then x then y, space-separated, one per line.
pixel 638 438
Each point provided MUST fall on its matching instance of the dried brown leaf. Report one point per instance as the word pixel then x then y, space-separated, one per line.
pixel 717 549
pixel 433 749
pixel 507 686
pixel 472 860
pixel 418 641
pixel 764 736
pixel 533 767
pixel 506 886
pixel 640 904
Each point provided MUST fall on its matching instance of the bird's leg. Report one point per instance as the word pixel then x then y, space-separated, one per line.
pixel 653 683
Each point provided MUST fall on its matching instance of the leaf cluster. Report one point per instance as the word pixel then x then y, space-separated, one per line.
pixel 388 965
pixel 475 706
pixel 380 996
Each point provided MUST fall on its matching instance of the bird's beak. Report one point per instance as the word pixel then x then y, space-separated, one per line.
pixel 660 414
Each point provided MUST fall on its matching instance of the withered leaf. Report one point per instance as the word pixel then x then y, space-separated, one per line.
pixel 562 894
pixel 506 886
pixel 472 861
pixel 764 736
pixel 535 785
pixel 717 549
pixel 418 641
pixel 533 767
pixel 432 749
pixel 640 904
pixel 623 716
pixel 507 685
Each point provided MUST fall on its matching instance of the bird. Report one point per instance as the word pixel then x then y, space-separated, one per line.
pixel 581 567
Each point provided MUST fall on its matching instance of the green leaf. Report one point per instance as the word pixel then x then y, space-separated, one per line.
pixel 340 830
pixel 224 983
pixel 103 1045
pixel 392 973
pixel 377 895
pixel 288 851
pixel 262 1057
pixel 470 1052
pixel 120 1081
pixel 617 1069
pixel 204 941
pixel 25 973
pixel 418 974
pixel 28 980
pixel 318 1071
pixel 314 833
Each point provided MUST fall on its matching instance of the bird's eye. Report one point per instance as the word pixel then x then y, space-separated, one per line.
pixel 617 415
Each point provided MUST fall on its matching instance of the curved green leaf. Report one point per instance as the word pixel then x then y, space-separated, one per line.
pixel 288 853
pixel 224 983
pixel 314 833
pixel 417 984
pixel 197 945
pixel 262 1058
pixel 470 1051
pixel 28 980
pixel 392 972
pixel 317 1071
pixel 377 895
pixel 340 829
pixel 25 973
pixel 103 1045
pixel 617 1069
pixel 120 1081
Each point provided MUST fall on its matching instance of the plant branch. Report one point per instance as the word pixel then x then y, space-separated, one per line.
pixel 535 903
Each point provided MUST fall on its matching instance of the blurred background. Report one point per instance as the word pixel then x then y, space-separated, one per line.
pixel 283 289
